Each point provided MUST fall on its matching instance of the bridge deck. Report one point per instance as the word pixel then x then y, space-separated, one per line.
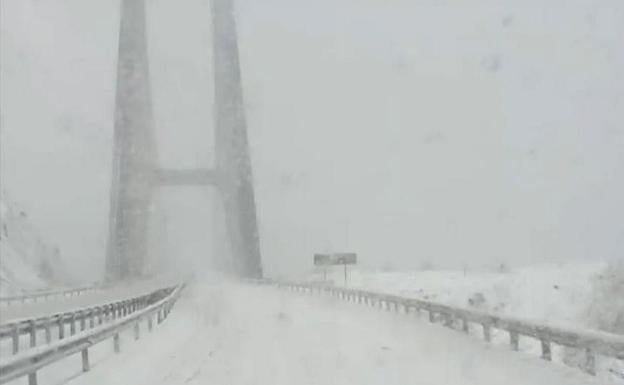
pixel 225 334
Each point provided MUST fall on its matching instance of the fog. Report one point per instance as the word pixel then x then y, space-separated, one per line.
pixel 404 131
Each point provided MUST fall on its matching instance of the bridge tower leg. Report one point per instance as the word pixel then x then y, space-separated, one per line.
pixel 135 170
pixel 233 163
pixel 134 149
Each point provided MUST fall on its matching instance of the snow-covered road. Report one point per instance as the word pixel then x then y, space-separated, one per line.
pixel 231 334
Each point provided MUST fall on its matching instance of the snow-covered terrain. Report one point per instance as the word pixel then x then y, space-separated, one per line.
pixel 27 261
pixel 227 334
pixel 553 293
pixel 409 131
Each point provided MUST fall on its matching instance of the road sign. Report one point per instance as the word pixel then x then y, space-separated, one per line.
pixel 335 259
pixel 322 259
pixel 344 258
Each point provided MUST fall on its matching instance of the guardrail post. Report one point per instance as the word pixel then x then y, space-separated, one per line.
pixel 546 350
pixel 116 343
pixel 32 378
pixel 99 313
pixel 91 319
pixel 15 338
pixel 83 321
pixel 137 332
pixel 487 332
pixel 465 325
pixel 431 316
pixel 85 360
pixel 590 362
pixel 61 327
pixel 48 332
pixel 150 322
pixel 32 330
pixel 72 324
pixel 514 339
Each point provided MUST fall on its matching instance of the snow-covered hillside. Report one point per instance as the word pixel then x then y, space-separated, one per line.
pixel 27 262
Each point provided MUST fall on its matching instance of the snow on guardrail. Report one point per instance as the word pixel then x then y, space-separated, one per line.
pixel 97 313
pixel 28 362
pixel 592 343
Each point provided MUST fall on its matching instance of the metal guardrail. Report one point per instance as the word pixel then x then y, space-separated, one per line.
pixel 34 297
pixel 591 342
pixel 97 314
pixel 29 362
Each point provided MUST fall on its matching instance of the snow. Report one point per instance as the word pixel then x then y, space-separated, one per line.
pixel 232 334
pixel 550 294
pixel 558 294
pixel 27 261
pixel 62 304
pixel 15 272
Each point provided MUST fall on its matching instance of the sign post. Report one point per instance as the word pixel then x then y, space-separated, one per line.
pixel 322 260
pixel 335 259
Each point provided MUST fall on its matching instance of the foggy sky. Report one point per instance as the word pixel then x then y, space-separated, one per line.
pixel 405 131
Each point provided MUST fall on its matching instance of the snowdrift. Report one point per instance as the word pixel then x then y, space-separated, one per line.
pixel 27 261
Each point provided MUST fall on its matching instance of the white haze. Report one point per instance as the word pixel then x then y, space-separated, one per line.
pixel 403 130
